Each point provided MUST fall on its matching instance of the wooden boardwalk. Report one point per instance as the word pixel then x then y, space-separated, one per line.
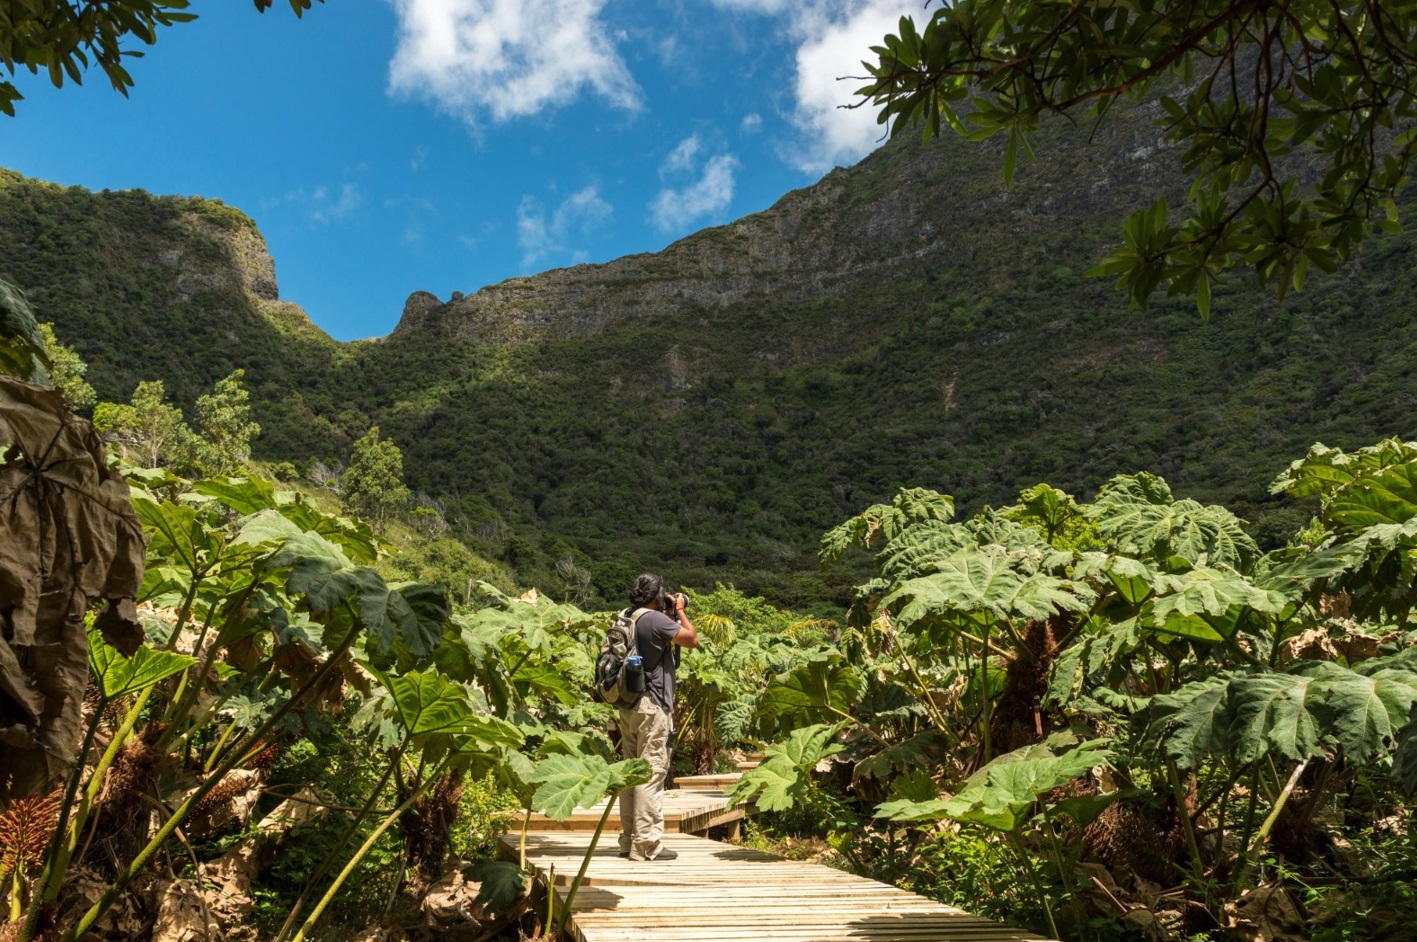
pixel 717 892
pixel 686 811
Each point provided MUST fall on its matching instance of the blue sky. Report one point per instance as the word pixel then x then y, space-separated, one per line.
pixel 388 146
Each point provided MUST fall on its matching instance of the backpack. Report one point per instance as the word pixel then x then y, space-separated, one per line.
pixel 609 686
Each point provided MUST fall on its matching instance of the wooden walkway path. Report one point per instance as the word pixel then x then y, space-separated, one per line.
pixel 686 811
pixel 716 892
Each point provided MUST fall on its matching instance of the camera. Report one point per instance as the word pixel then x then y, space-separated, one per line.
pixel 670 602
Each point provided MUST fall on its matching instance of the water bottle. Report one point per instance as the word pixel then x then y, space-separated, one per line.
pixel 634 674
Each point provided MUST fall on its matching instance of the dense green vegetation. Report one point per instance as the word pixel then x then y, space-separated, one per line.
pixel 968 352
pixel 1023 705
pixel 1128 714
pixel 1122 719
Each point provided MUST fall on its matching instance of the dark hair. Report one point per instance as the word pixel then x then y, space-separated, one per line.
pixel 647 590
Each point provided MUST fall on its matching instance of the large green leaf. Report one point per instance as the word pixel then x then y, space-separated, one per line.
pixel 246 496
pixel 785 771
pixel 265 527
pixel 771 787
pixel 1085 808
pixel 1189 724
pixel 536 622
pixel 569 782
pixel 1405 660
pixel 1293 578
pixel 1404 758
pixel 407 614
pixel 1327 473
pixel 628 773
pixel 733 719
pixel 1206 604
pixel 923 750
pixel 1137 514
pixel 413 616
pixel 1206 591
pixel 545 680
pixel 1382 497
pixel 354 537
pixel 1273 711
pixel 816 691
pixel 1134 579
pixel 910 507
pixel 316 566
pixel 985 581
pixel 1308 709
pixel 118 676
pixel 919 550
pixel 468 648
pixel 1002 795
pixel 573 743
pixel 1065 677
pixel 427 702
pixel 176 533
pixel 21 346
pixel 1364 713
pixel 1045 507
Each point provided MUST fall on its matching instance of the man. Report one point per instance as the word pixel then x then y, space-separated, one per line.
pixel 646 727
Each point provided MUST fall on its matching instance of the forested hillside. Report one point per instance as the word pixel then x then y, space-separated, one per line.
pixel 716 406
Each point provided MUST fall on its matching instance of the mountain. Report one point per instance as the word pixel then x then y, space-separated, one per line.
pixel 710 409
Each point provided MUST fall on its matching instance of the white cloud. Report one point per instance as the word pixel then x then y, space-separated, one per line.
pixel 751 122
pixel 833 37
pixel 834 49
pixel 541 235
pixel 420 154
pixel 681 158
pixel 507 58
pixel 327 210
pixel 757 6
pixel 675 208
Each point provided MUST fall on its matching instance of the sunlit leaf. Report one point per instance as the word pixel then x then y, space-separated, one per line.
pixel 778 781
pixel 119 676
pixel 569 782
pixel 1137 515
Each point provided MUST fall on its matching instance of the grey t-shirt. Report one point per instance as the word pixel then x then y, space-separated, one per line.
pixel 654 637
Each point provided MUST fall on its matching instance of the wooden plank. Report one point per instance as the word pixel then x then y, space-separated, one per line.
pixel 719 892
pixel 686 811
pixel 709 782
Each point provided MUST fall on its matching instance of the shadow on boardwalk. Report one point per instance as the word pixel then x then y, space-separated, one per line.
pixel 722 893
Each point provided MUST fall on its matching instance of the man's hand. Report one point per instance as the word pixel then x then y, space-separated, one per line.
pixel 687 636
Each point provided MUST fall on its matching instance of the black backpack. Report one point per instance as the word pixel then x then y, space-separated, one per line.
pixel 609 686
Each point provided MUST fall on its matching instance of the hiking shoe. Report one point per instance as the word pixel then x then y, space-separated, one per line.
pixel 665 854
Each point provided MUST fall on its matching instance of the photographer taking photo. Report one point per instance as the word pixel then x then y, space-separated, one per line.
pixel 645 728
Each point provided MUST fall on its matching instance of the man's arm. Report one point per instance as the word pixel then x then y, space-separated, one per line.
pixel 687 636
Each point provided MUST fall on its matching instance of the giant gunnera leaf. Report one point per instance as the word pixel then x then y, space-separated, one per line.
pixel 118 676
pixel 1002 795
pixel 1137 515
pixel 779 780
pixel 569 782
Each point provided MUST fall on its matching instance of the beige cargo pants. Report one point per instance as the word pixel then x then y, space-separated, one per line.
pixel 644 734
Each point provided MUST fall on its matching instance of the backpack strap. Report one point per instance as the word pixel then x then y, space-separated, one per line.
pixel 635 629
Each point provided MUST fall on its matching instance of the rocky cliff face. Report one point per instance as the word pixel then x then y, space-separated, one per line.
pixel 906 207
pixel 172 288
